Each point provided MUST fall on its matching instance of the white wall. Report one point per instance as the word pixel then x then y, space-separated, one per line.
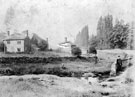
pixel 66 49
pixel 12 47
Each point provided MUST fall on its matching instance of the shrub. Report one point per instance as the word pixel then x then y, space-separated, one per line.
pixel 50 49
pixel 76 51
pixel 92 50
pixel 43 45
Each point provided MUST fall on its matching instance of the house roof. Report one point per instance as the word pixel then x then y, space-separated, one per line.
pixel 16 36
pixel 67 42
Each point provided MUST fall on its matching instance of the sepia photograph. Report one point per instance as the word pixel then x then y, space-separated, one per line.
pixel 67 48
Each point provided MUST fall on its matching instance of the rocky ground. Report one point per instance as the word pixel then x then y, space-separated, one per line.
pixel 54 86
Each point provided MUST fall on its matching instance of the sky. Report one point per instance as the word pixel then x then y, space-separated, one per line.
pixel 57 19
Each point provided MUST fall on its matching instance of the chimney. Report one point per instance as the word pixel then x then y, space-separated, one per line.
pixel 65 39
pixel 8 33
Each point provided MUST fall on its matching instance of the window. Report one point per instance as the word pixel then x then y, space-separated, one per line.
pixel 8 42
pixel 19 42
pixel 19 49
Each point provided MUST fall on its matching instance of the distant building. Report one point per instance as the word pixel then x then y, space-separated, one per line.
pixel 16 43
pixel 65 46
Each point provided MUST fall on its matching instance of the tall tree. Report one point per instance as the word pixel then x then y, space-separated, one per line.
pixel 10 14
pixel 82 38
pixel 119 36
pixel 93 41
pixel 104 27
pixel 130 44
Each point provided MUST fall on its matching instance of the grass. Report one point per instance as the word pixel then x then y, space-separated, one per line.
pixel 73 66
pixel 37 54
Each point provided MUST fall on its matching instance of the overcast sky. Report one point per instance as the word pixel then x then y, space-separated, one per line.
pixel 57 19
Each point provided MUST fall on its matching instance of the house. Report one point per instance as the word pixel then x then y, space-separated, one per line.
pixel 16 43
pixel 65 46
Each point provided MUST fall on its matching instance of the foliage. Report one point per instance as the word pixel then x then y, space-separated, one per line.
pixel 43 45
pixel 119 36
pixel 10 15
pixel 109 36
pixel 94 41
pixel 28 47
pixel 82 37
pixel 92 50
pixel 131 37
pixel 76 51
pixel 34 41
pixel 104 28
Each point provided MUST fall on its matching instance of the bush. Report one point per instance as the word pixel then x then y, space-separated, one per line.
pixel 50 49
pixel 43 45
pixel 76 51
pixel 92 50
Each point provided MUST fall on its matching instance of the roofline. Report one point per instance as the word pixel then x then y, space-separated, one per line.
pixel 12 39
pixel 65 42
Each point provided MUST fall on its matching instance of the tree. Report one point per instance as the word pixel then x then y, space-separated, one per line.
pixel 76 51
pixel 131 37
pixel 92 50
pixel 82 37
pixel 93 41
pixel 119 36
pixel 34 41
pixel 109 36
pixel 9 18
pixel 43 45
pixel 104 28
pixel 28 46
pixel 39 42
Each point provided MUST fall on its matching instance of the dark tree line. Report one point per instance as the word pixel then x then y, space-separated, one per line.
pixel 110 36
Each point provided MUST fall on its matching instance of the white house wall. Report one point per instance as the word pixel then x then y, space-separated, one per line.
pixel 12 47
pixel 63 48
